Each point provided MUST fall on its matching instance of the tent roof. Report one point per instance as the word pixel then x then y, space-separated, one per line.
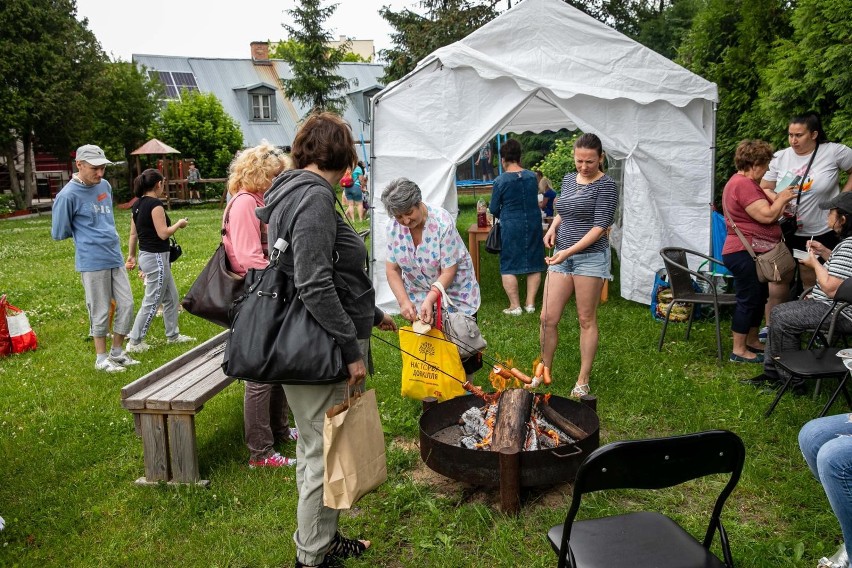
pixel 155 147
pixel 529 43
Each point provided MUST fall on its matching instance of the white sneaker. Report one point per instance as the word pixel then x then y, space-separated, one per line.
pixel 513 311
pixel 180 339
pixel 529 309
pixel 140 347
pixel 124 360
pixel 2 524
pixel 109 366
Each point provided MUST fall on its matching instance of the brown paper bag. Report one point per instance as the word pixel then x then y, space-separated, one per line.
pixel 353 451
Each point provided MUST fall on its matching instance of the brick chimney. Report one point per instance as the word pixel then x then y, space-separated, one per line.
pixel 260 52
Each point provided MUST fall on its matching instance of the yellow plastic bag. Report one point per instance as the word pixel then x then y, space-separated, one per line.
pixel 430 352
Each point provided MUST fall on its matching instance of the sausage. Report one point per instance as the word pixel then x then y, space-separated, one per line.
pixel 547 378
pixel 539 369
pixel 503 372
pixel 520 376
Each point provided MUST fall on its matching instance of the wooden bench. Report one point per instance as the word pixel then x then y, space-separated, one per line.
pixel 164 404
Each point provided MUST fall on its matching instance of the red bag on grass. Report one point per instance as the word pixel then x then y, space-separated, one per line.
pixel 20 334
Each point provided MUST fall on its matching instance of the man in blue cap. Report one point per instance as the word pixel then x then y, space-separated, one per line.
pixel 83 211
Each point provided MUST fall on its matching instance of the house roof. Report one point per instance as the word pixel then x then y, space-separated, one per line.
pixel 230 80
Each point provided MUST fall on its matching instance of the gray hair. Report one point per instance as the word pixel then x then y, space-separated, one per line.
pixel 400 196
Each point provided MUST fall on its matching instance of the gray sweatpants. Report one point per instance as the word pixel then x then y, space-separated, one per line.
pixel 100 288
pixel 316 523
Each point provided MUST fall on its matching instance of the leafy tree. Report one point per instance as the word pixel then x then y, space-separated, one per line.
pixel 559 161
pixel 662 26
pixel 199 127
pixel 809 70
pixel 47 61
pixel 127 104
pixel 728 44
pixel 415 36
pixel 315 80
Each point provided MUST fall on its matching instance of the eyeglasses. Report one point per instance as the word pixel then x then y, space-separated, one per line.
pixel 276 152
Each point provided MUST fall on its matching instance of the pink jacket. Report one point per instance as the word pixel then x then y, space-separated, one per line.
pixel 244 234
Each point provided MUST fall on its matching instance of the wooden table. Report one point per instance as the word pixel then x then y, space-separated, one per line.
pixel 476 235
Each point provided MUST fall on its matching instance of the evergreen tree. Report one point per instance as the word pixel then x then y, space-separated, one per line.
pixel 314 65
pixel 415 36
pixel 809 70
pixel 728 44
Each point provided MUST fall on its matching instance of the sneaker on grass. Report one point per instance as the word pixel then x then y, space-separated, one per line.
pixel 763 334
pixel 275 460
pixel 180 339
pixel 109 366
pixel 140 347
pixel 124 359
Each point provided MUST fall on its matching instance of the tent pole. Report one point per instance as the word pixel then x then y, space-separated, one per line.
pixel 370 183
pixel 712 170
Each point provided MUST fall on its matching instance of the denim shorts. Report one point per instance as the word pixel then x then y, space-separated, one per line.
pixel 594 264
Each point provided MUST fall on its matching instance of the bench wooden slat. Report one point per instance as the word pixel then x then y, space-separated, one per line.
pixel 205 363
pixel 202 391
pixel 187 372
pixel 162 398
pixel 215 345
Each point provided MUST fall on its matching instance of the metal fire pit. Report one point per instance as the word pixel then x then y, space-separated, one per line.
pixel 439 449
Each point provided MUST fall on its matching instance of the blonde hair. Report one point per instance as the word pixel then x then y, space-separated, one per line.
pixel 254 168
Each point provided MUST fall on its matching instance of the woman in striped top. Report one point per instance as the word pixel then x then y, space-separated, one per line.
pixel 791 320
pixel 581 261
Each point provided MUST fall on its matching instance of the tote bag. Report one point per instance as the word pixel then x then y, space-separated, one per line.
pixel 427 359
pixel 353 451
pixel 211 295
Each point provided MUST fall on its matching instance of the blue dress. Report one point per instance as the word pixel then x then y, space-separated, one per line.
pixel 514 200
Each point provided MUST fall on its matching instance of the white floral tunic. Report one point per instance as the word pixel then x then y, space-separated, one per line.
pixel 441 247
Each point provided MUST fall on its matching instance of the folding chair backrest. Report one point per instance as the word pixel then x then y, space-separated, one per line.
pixel 675 259
pixel 660 463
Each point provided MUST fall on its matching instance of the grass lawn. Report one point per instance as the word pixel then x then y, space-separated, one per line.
pixel 70 454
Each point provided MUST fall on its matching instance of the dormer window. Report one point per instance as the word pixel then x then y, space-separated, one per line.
pixel 260 102
pixel 261 107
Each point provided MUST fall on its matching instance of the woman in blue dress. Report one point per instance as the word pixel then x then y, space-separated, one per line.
pixel 514 200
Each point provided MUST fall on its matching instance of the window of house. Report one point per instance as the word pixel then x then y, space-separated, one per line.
pixel 261 107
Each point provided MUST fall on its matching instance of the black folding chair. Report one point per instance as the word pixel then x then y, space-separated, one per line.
pixel 819 360
pixel 676 261
pixel 649 538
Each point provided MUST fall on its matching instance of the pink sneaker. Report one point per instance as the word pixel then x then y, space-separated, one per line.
pixel 275 460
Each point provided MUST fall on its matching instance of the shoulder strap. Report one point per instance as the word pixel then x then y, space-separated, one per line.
pixel 805 175
pixel 737 230
pixel 227 217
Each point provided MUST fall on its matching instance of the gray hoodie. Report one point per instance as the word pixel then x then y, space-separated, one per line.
pixel 322 244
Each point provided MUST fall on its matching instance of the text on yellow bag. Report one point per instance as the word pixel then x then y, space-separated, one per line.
pixel 431 359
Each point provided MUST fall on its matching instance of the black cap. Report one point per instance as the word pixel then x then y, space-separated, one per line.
pixel 843 201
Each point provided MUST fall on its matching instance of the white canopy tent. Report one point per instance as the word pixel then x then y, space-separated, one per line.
pixel 544 65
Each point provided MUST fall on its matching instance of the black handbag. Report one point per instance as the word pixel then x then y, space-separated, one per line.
pixel 273 337
pixel 174 250
pixel 493 244
pixel 211 295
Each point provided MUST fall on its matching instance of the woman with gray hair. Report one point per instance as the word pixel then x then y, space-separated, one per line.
pixel 424 247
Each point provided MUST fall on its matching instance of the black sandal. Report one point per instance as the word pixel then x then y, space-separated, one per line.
pixel 342 548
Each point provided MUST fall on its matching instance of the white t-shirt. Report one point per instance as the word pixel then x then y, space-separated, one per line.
pixel 823 181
